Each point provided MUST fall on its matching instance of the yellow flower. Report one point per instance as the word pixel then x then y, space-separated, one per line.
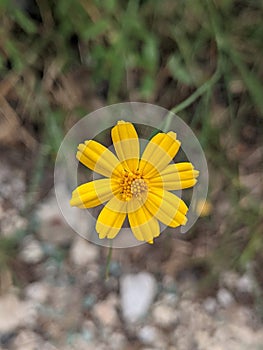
pixel 134 186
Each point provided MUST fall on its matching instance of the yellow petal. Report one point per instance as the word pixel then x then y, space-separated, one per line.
pixel 119 205
pixel 126 144
pixel 167 207
pixel 93 193
pixel 116 204
pixel 176 177
pixel 159 152
pixel 98 158
pixel 144 226
pixel 109 223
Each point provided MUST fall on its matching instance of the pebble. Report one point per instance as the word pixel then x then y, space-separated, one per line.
pixel 27 340
pixel 49 269
pixel 37 291
pixel 89 301
pixel 137 294
pixel 106 312
pixel 224 298
pixel 31 252
pixel 229 279
pixel 80 344
pixel 170 299
pixel 77 342
pixel 11 222
pixel 117 341
pixel 15 313
pixel 89 330
pixel 48 346
pixel 31 315
pixel 169 284
pixel 210 305
pixel 65 300
pixel 245 284
pixel 150 335
pixel 82 252
pixel 115 269
pixel 93 273
pixel 165 316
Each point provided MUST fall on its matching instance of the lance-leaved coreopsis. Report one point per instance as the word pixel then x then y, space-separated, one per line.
pixel 135 185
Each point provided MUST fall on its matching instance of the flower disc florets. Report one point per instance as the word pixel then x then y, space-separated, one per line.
pixel 132 184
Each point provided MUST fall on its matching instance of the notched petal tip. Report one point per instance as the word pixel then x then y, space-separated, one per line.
pixel 71 202
pixel 196 173
pixel 173 135
pixel 81 146
pixel 102 235
pixel 184 222
pixel 122 122
pixel 74 198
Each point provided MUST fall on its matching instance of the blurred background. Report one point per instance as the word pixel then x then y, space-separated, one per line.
pixel 60 60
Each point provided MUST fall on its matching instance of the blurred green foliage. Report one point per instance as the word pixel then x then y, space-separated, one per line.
pixel 189 39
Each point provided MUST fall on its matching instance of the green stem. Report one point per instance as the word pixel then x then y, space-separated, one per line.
pixel 107 270
pixel 165 125
pixel 198 92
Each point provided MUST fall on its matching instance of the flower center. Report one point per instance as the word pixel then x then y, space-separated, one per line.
pixel 132 184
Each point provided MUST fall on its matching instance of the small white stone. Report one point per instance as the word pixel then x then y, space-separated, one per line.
pixel 31 252
pixel 82 252
pixel 210 305
pixel 225 298
pixel 148 335
pixel 165 316
pixel 245 284
pixel 137 294
pixel 37 291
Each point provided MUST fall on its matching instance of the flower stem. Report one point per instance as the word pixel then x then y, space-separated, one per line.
pixel 189 100
pixel 198 92
pixel 108 262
